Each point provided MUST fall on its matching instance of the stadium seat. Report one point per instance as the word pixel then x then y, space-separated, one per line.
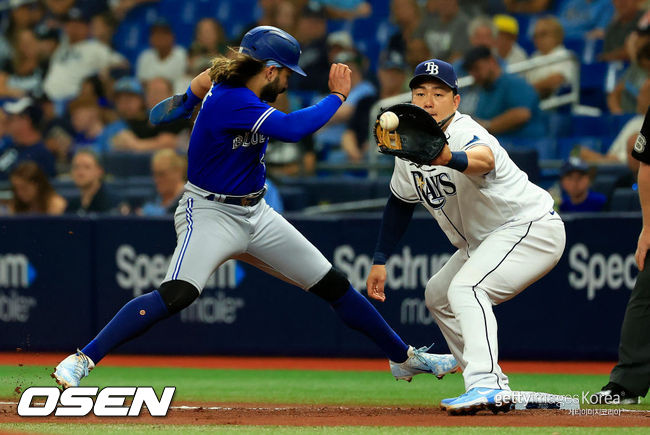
pixel 624 199
pixel 527 159
pixel 136 196
pixel 616 169
pixel 565 145
pixel 132 34
pixel 124 164
pixel 604 184
pixel 381 187
pixel 329 190
pixel 294 198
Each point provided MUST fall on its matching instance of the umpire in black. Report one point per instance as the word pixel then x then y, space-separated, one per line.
pixel 630 378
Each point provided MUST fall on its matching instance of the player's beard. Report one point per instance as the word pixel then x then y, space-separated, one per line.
pixel 271 90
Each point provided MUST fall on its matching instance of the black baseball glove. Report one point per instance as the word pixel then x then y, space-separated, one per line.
pixel 418 137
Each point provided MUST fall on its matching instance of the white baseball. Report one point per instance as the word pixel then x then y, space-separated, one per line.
pixel 389 121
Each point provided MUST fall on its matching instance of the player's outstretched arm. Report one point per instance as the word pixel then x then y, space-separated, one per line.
pixel 478 160
pixel 397 215
pixel 294 126
pixel 181 106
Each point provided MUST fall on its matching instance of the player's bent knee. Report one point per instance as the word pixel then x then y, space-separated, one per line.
pixel 177 294
pixel 332 286
pixel 435 297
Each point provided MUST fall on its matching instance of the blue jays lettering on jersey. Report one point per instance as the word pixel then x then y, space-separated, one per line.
pixel 226 153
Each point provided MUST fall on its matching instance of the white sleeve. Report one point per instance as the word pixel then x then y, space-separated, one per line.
pixel 401 184
pixel 619 146
pixel 141 66
pixel 480 137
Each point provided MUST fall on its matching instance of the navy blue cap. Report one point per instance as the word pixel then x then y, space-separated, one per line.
pixel 392 60
pixel 24 106
pixel 128 85
pixel 160 24
pixel 436 69
pixel 475 54
pixel 75 14
pixel 573 164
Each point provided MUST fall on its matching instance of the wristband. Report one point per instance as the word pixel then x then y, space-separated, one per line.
pixel 379 258
pixel 190 100
pixel 458 161
pixel 344 97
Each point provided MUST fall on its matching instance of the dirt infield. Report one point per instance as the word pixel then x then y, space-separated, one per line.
pixel 305 415
pixel 318 415
pixel 270 363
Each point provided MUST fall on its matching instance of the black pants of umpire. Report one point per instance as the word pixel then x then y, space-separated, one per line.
pixel 633 369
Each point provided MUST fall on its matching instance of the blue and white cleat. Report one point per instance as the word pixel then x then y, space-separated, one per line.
pixel 419 361
pixel 477 399
pixel 71 370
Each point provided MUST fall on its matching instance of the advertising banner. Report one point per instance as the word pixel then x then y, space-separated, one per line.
pixel 78 273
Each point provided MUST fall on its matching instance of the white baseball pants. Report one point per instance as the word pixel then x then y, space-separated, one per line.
pixel 461 295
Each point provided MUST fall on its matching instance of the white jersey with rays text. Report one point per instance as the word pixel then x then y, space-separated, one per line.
pixel 469 208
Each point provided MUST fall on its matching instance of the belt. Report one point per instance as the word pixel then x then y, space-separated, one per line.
pixel 246 200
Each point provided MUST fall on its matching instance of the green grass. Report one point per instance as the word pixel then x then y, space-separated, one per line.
pixel 106 429
pixel 295 386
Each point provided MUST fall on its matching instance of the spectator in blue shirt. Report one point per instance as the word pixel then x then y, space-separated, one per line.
pixel 576 193
pixel 585 18
pixel 507 105
pixel 90 130
pixel 24 141
pixel 169 170
pixel 328 139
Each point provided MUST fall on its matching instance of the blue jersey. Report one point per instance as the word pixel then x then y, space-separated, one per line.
pixel 226 153
pixel 231 132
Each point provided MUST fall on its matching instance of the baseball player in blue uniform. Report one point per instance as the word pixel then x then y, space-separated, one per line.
pixel 222 213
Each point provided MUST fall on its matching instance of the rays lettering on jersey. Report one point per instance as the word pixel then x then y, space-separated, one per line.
pixel 433 188
pixel 247 139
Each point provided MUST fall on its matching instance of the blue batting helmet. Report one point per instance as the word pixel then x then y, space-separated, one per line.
pixel 271 43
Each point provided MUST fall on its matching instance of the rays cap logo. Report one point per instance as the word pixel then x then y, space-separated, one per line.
pixel 437 69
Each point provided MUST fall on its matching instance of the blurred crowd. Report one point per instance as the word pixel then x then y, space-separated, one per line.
pixel 70 100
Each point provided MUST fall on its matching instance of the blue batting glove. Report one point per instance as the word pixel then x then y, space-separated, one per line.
pixel 179 106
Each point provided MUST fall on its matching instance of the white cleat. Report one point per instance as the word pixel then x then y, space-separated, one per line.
pixel 419 361
pixel 72 369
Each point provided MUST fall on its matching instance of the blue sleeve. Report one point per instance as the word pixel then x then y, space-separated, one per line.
pixel 294 126
pixel 397 215
pixel 521 94
pixel 604 14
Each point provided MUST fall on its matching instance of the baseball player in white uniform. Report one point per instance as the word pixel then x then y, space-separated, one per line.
pixel 503 226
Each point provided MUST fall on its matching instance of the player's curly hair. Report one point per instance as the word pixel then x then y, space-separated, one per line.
pixel 234 69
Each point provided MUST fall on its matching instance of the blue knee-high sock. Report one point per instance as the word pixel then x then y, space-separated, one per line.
pixel 133 319
pixel 358 313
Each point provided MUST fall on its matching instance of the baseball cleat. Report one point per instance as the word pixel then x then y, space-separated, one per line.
pixel 71 370
pixel 614 394
pixel 419 361
pixel 475 400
